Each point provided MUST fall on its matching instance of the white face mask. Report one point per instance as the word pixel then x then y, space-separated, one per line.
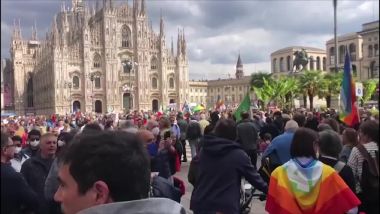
pixel 34 143
pixel 156 131
pixel 61 143
pixel 17 150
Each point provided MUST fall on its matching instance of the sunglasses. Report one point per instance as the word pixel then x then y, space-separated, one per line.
pixel 33 139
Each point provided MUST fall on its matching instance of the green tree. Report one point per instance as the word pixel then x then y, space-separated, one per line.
pixel 257 79
pixel 330 86
pixel 369 87
pixel 310 83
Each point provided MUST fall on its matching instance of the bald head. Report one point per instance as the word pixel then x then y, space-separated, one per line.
pixel 146 136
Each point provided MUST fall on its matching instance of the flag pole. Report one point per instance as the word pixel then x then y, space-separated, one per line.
pixel 335 39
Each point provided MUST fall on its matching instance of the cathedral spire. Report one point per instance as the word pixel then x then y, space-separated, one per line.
pixel 183 42
pixel 172 48
pixel 161 26
pixel 179 43
pixel 135 8
pixel 97 5
pixel 143 8
pixel 34 31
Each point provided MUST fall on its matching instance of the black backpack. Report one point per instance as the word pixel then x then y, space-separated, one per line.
pixel 162 188
pixel 370 175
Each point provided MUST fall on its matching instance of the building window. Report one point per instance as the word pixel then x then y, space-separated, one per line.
pixel 311 62
pixel 318 63
pixel 233 98
pixel 240 88
pixel 171 82
pixel 97 82
pixel 288 63
pixel 324 63
pixel 97 60
pixel 332 55
pixel 370 54
pixel 374 70
pixel 153 63
pixel 282 65
pixel 191 99
pixel 342 52
pixel 274 65
pixel 126 37
pixel 154 83
pixel 218 89
pixel 240 97
pixel 75 82
pixel 376 50
pixel 352 49
pixel 211 90
pixel 233 88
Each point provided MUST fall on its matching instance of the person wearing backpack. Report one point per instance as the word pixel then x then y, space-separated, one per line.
pixel 364 162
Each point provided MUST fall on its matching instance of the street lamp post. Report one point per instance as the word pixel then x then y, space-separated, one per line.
pixel 69 85
pixel 92 78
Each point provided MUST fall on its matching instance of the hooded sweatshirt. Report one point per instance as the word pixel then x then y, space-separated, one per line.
pixel 143 206
pixel 222 164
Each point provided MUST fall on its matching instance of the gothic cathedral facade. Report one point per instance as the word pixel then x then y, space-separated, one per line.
pixel 96 59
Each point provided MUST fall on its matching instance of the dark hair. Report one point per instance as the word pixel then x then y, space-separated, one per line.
pixel 16 138
pixel 303 143
pixel 214 117
pixel 330 143
pixel 117 158
pixel 267 136
pixel 300 119
pixel 91 127
pixel 244 115
pixel 324 126
pixel 4 139
pixel 34 132
pixel 370 128
pixel 332 123
pixel 225 128
pixel 268 120
pixel 351 136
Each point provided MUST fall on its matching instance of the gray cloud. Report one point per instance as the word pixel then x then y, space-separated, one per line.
pixel 217 30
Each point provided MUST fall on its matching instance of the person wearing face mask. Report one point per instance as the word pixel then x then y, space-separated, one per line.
pixel 32 144
pixel 19 157
pixel 36 169
pixel 15 192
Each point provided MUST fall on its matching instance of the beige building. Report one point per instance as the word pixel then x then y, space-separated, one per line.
pixel 231 90
pixel 99 59
pixel 282 60
pixel 198 92
pixel 363 47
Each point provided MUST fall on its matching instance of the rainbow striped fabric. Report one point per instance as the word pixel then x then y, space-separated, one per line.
pixel 348 109
pixel 316 189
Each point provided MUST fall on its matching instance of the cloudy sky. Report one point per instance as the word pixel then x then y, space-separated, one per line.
pixel 217 30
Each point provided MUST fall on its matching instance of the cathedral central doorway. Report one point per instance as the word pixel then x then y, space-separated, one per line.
pixel 76 106
pixel 98 106
pixel 155 105
pixel 127 101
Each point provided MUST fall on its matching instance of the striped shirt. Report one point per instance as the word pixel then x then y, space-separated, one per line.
pixel 355 161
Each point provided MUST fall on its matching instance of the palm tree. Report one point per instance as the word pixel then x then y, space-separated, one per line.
pixel 310 82
pixel 330 86
pixel 369 87
pixel 257 79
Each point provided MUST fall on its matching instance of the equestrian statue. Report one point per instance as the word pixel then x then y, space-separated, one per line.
pixel 301 59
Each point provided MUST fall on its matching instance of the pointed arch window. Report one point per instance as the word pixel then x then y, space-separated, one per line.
pixel 342 52
pixel 282 65
pixel 324 63
pixel 75 82
pixel 376 49
pixel 30 92
pixel 154 83
pixel 96 61
pixel 171 82
pixel 126 36
pixel 97 82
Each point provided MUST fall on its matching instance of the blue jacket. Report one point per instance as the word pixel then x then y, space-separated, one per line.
pixel 222 164
pixel 279 150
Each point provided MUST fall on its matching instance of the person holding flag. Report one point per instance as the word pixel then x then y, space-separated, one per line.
pixel 348 106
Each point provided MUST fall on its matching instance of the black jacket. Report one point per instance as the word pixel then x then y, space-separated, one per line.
pixel 271 129
pixel 346 173
pixel 247 135
pixel 15 192
pixel 193 131
pixel 35 171
pixel 222 164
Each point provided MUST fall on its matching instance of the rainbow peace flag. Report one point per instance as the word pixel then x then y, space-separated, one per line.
pixel 348 109
pixel 314 190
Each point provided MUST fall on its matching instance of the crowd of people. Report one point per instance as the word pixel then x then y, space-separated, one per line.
pixel 127 163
